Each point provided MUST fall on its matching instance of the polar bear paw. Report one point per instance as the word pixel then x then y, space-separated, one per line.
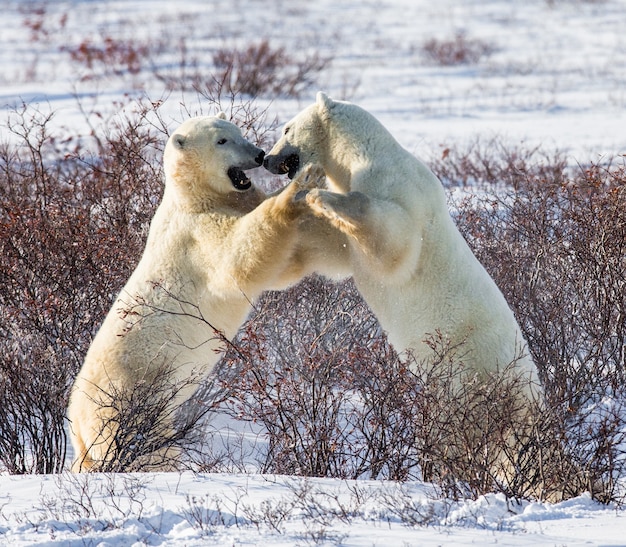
pixel 321 203
pixel 311 176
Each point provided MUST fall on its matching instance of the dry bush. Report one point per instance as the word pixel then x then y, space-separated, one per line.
pixel 101 55
pixel 71 230
pixel 97 55
pixel 459 50
pixel 291 357
pixel 554 241
pixel 360 411
pixel 314 369
pixel 256 70
pixel 143 424
pixel 95 503
pixel 253 121
pixel 110 56
pixel 33 384
pixel 40 22
pixel 260 69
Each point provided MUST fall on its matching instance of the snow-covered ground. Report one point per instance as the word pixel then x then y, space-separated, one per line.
pixel 555 76
pixel 225 510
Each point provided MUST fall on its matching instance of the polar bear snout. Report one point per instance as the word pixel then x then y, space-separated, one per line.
pixel 280 164
pixel 251 158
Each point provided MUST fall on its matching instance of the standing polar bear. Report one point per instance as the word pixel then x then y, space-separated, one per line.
pixel 409 261
pixel 215 243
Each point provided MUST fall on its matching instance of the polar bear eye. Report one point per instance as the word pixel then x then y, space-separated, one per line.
pixel 287 130
pixel 222 141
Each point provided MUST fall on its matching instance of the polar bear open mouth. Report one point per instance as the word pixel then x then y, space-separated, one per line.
pixel 238 178
pixel 290 165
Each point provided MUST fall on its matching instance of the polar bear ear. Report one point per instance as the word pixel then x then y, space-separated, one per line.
pixel 221 115
pixel 179 141
pixel 324 101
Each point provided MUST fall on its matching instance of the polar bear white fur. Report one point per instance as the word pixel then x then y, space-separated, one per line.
pixel 409 261
pixel 215 243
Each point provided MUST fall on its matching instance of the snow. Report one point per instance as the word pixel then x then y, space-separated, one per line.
pixel 235 509
pixel 556 77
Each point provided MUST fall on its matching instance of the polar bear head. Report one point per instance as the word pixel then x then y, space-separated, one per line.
pixel 302 141
pixel 339 135
pixel 208 155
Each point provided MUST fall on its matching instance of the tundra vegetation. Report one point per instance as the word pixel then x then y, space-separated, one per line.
pixel 311 367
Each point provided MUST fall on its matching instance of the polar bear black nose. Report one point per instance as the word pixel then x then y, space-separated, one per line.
pixel 259 158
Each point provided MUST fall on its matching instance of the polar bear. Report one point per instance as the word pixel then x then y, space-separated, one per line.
pixel 409 261
pixel 215 242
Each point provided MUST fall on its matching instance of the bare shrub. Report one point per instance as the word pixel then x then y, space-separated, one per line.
pixel 261 69
pixel 142 424
pixel 38 21
pixel 459 50
pixel 71 229
pixel 252 119
pixel 554 241
pixel 352 408
pixel 111 56
pixel 95 503
pixel 256 70
pixel 291 368
pixel 32 406
pixel 596 441
pixel 469 434
pixel 205 513
pixel 409 511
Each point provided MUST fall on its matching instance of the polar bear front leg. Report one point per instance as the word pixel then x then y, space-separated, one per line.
pixel 262 242
pixel 377 228
pixel 347 212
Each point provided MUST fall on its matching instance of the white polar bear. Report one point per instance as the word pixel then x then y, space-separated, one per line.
pixel 409 261
pixel 215 243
